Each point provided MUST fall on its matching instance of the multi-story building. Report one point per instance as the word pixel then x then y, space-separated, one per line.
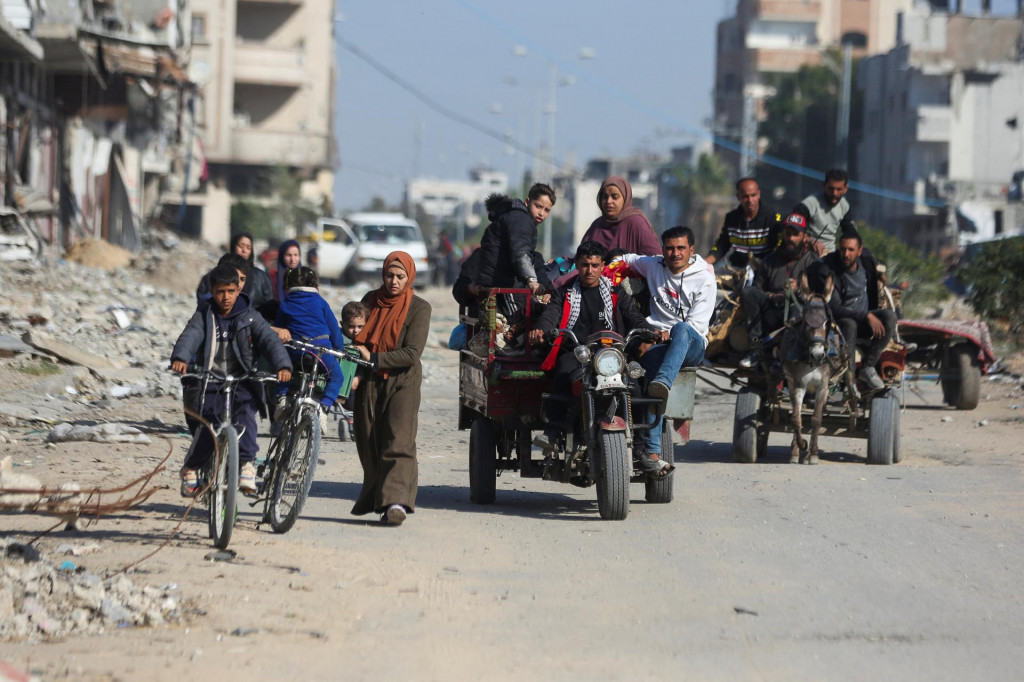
pixel 90 97
pixel 267 77
pixel 944 124
pixel 767 37
pixel 454 205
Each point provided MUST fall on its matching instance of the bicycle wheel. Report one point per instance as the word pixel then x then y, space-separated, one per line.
pixel 294 472
pixel 224 488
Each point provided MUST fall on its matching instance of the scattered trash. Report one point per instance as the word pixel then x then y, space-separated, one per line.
pixel 744 612
pixel 947 419
pixel 47 602
pixel 244 632
pixel 983 422
pixel 221 555
pixel 100 433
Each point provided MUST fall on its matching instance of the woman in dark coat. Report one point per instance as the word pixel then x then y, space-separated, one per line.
pixel 621 225
pixel 289 257
pixel 257 283
pixel 388 400
pixel 257 286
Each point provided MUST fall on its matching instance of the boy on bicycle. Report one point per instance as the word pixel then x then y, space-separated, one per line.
pixel 309 318
pixel 222 337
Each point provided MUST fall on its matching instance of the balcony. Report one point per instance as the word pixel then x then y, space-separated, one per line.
pixel 259 64
pixel 786 9
pixel 934 123
pixel 261 146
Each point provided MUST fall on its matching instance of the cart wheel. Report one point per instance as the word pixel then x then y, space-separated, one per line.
pixel 882 429
pixel 961 386
pixel 342 429
pixel 482 473
pixel 746 436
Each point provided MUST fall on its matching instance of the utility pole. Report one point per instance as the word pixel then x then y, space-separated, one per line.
pixel 748 132
pixel 842 153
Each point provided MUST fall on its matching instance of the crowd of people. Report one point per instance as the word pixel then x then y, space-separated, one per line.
pixel 245 316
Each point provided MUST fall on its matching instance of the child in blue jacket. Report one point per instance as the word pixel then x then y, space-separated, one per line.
pixel 309 318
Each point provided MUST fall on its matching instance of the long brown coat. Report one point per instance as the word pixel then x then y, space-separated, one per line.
pixel 386 419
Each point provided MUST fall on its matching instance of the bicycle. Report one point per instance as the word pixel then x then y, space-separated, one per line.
pixel 218 478
pixel 287 474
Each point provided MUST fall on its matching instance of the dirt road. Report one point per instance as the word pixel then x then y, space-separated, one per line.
pixel 768 571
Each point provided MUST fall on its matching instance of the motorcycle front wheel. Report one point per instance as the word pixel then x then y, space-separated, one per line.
pixel 614 464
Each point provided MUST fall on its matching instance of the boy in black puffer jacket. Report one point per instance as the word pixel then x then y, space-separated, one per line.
pixel 220 337
pixel 508 243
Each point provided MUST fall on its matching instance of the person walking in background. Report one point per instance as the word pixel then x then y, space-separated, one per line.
pixel 388 400
pixel 622 227
pixel 257 287
pixel 289 256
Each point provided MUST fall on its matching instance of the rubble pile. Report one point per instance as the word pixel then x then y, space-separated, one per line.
pixel 113 323
pixel 40 600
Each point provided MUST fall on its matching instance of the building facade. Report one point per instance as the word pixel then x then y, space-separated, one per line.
pixel 769 37
pixel 92 97
pixel 454 205
pixel 266 68
pixel 944 123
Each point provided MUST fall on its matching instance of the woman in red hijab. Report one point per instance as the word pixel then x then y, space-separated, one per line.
pixel 388 400
pixel 622 225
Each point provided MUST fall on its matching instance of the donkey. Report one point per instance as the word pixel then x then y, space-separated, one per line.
pixel 806 367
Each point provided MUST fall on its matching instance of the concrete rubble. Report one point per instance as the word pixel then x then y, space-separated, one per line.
pixel 113 323
pixel 42 599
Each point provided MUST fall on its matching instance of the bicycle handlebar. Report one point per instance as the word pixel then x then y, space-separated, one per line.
pixel 324 350
pixel 229 379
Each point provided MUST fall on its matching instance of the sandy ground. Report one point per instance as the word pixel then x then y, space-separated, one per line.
pixel 764 572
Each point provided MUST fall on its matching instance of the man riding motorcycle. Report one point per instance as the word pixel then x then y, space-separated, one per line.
pixel 587 305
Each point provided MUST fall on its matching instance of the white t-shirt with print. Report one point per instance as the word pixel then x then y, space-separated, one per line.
pixel 688 296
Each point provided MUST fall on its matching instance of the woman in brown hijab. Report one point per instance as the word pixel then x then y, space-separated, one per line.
pixel 622 225
pixel 388 400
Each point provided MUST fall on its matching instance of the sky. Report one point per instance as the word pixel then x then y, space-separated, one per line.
pixel 645 84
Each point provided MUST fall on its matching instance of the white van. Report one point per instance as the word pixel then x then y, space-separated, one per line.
pixel 336 246
pixel 381 233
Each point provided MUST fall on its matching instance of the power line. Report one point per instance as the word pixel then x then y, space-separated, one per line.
pixel 437 106
pixel 655 112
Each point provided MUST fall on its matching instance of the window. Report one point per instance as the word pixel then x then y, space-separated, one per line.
pixel 998 215
pixel 199 28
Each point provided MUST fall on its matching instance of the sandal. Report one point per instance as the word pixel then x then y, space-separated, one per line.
pixel 655 468
pixel 189 482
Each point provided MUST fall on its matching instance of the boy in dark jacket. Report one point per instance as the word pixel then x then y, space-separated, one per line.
pixel 309 318
pixel 508 243
pixel 220 338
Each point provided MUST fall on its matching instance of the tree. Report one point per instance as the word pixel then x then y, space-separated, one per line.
pixel 703 190
pixel 919 276
pixel 800 126
pixel 286 208
pixel 995 285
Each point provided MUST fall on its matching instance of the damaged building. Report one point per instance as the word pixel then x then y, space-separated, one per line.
pixel 96 102
pixel 949 98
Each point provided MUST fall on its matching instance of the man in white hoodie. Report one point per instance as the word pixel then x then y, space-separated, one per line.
pixel 683 294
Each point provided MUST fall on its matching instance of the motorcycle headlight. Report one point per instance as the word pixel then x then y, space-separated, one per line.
pixel 609 362
pixel 582 354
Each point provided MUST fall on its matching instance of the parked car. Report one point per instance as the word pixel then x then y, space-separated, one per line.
pixel 379 234
pixel 336 246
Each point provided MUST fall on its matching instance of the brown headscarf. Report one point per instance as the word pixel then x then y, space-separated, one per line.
pixel 627 205
pixel 387 312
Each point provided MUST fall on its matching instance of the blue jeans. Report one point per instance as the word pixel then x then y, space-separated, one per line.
pixel 663 362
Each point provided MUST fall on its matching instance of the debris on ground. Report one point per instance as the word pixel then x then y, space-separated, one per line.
pixel 40 601
pixel 99 433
